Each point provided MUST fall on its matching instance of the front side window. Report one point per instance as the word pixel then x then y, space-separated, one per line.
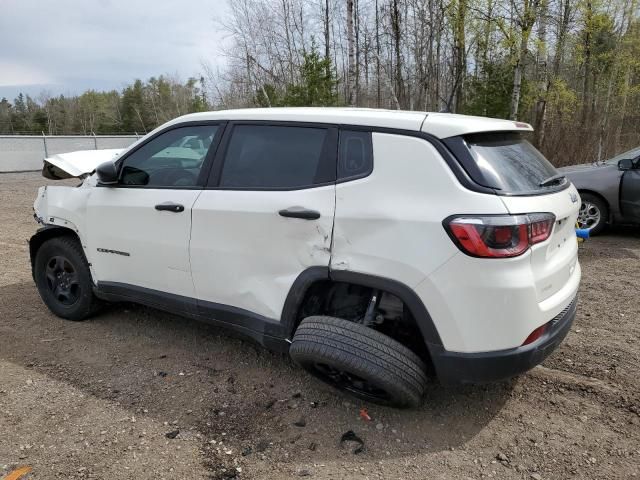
pixel 270 156
pixel 173 159
pixel 633 154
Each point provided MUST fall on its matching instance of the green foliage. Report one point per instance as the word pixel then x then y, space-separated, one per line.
pixel 140 107
pixel 316 87
pixel 598 35
pixel 490 93
pixel 268 96
pixel 563 99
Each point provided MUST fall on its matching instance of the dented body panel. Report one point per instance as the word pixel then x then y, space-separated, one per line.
pixel 408 194
pixel 244 254
pixel 64 207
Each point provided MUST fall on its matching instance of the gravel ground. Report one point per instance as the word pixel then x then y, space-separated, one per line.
pixel 100 399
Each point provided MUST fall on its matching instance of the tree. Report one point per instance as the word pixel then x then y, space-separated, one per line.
pixel 6 113
pixel 140 107
pixel 352 94
pixel 317 87
pixel 526 21
pixel 459 51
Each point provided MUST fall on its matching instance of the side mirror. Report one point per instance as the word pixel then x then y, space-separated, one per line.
pixel 625 164
pixel 107 173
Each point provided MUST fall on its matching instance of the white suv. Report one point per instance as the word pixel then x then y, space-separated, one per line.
pixel 375 247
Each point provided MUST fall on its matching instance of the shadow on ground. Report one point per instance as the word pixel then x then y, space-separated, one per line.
pixel 203 378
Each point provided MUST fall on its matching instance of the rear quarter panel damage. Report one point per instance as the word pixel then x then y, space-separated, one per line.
pixel 389 224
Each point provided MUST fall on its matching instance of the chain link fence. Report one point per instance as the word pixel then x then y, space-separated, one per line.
pixel 19 153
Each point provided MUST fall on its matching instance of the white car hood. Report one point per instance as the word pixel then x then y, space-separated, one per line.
pixel 77 164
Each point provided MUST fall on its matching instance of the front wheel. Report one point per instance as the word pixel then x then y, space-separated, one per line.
pixel 62 275
pixel 593 213
pixel 360 361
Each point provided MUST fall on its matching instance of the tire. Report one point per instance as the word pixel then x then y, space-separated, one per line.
pixel 60 263
pixel 360 361
pixel 594 213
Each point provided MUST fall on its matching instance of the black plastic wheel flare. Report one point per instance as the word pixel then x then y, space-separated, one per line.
pixel 349 382
pixel 62 280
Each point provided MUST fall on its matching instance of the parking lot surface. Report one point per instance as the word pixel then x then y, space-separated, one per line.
pixel 140 394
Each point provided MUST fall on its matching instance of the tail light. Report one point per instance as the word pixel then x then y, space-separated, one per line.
pixel 535 335
pixel 499 236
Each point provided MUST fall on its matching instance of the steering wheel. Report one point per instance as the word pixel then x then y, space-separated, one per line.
pixel 179 177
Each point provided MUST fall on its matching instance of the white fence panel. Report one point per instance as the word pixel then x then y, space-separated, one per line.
pixel 26 152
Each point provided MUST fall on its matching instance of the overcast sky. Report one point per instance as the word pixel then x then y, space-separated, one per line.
pixel 68 46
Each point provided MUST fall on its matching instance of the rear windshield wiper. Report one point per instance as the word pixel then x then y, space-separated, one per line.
pixel 551 180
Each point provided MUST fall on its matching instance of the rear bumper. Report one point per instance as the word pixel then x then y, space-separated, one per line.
pixel 483 367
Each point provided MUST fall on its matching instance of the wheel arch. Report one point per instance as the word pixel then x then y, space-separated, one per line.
pixel 601 197
pixel 294 301
pixel 42 235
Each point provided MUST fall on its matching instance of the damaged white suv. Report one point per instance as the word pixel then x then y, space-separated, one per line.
pixel 377 248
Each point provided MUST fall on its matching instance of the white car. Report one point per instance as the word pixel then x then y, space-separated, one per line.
pixel 375 247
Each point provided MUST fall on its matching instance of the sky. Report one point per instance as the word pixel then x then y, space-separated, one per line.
pixel 69 46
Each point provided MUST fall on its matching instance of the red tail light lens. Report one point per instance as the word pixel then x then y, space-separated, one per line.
pixel 535 335
pixel 499 236
pixel 540 227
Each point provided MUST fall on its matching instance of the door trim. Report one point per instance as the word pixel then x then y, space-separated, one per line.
pixel 628 216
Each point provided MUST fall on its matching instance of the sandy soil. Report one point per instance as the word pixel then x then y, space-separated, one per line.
pixel 97 399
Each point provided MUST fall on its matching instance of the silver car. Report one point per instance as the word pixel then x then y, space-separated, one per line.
pixel 610 191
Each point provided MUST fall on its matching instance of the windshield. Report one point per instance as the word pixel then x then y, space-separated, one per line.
pixel 630 154
pixel 511 164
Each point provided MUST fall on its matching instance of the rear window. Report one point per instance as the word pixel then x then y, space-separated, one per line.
pixel 508 162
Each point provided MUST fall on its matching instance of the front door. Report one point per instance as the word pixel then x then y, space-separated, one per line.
pixel 266 216
pixel 138 230
pixel 630 194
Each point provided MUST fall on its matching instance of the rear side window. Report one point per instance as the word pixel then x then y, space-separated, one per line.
pixel 265 156
pixel 355 159
pixel 509 163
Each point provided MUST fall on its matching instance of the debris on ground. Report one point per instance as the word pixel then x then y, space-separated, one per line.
pixel 350 436
pixel 18 473
pixel 364 415
pixel 262 446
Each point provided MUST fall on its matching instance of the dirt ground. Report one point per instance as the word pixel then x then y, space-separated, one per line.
pixel 100 399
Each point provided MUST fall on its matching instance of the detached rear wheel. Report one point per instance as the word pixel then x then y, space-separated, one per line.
pixel 593 213
pixel 63 279
pixel 360 361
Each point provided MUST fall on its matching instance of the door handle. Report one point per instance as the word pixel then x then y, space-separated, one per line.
pixel 300 212
pixel 170 207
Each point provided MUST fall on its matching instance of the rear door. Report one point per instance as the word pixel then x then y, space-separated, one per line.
pixel 630 194
pixel 138 230
pixel 265 217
